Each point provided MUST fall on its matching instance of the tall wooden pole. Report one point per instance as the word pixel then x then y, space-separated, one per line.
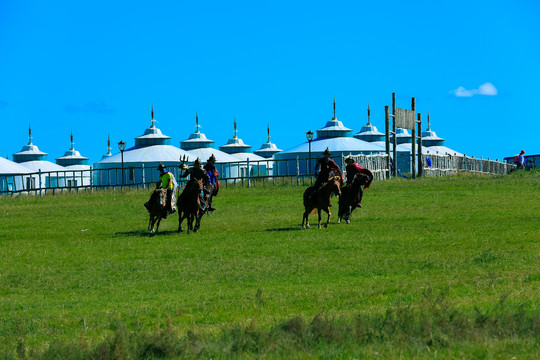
pixel 387 140
pixel 394 151
pixel 420 158
pixel 413 140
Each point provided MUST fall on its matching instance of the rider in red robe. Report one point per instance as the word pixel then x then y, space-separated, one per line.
pixel 354 168
pixel 213 176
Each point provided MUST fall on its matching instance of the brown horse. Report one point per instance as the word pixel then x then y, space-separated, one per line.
pixel 156 209
pixel 190 206
pixel 321 201
pixel 351 196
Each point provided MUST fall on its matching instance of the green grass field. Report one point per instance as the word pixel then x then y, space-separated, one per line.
pixel 446 268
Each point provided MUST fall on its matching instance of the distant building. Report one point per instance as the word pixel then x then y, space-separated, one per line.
pixel 73 160
pixel 334 136
pixel 201 147
pixel 268 149
pixel 369 132
pixel 242 152
pixel 32 158
pixel 140 162
pixel 9 176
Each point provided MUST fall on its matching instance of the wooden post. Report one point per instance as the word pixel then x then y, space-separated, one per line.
pixel 420 158
pixel 413 142
pixel 394 151
pixel 387 141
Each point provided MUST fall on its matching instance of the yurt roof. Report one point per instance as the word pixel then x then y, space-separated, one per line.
pixel 10 167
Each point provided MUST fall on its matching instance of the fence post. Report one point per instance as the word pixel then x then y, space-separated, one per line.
pixel 39 182
pixel 143 179
pixel 297 170
pixel 247 173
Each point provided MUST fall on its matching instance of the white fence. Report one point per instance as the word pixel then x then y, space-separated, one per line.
pixel 249 173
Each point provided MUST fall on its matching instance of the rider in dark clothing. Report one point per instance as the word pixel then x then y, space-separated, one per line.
pixel 195 173
pixel 213 176
pixel 354 168
pixel 325 166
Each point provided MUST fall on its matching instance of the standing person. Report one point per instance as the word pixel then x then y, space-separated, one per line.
pixel 325 165
pixel 521 160
pixel 354 168
pixel 213 176
pixel 166 181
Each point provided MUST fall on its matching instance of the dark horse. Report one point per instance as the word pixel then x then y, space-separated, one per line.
pixel 190 206
pixel 351 196
pixel 156 209
pixel 321 201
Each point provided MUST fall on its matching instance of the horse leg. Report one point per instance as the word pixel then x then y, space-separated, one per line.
pixel 328 219
pixel 180 219
pixel 306 218
pixel 158 221
pixel 319 213
pixel 150 224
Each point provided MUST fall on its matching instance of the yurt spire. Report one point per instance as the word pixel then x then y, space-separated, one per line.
pixel 268 131
pixel 71 139
pixel 153 120
pixel 428 129
pixel 334 108
pixel 197 126
pixel 29 135
pixel 109 144
pixel 368 115
pixel 235 131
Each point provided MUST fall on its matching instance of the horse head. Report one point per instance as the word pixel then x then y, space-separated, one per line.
pixel 336 185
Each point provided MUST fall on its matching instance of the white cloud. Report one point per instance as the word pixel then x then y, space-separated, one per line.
pixel 485 89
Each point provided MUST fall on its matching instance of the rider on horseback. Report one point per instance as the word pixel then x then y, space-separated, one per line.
pixel 326 165
pixel 168 182
pixel 195 173
pixel 213 175
pixel 354 168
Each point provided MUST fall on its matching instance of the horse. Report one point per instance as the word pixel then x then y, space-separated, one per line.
pixel 321 201
pixel 190 206
pixel 156 209
pixel 351 196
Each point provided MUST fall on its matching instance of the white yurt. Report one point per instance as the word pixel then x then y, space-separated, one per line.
pixel 52 175
pixel 13 177
pixel 203 148
pixel 334 136
pixel 78 164
pixel 140 162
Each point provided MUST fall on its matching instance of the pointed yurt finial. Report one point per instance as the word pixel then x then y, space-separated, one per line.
pixel 197 126
pixel 428 129
pixel 108 141
pixel 29 135
pixel 235 131
pixel 71 139
pixel 268 131
pixel 153 120
pixel 368 115
pixel 334 107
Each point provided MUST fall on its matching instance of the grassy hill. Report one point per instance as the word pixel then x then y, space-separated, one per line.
pixel 447 266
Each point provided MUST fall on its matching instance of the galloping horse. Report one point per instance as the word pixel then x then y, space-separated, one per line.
pixel 321 201
pixel 190 206
pixel 156 209
pixel 351 196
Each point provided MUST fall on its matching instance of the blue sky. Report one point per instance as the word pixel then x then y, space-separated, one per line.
pixel 96 68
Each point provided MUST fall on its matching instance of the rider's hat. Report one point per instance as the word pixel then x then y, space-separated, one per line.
pixel 327 152
pixel 161 166
pixel 197 161
pixel 212 157
pixel 522 152
pixel 349 158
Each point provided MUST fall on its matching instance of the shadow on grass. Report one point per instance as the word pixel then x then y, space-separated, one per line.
pixel 143 233
pixel 290 228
